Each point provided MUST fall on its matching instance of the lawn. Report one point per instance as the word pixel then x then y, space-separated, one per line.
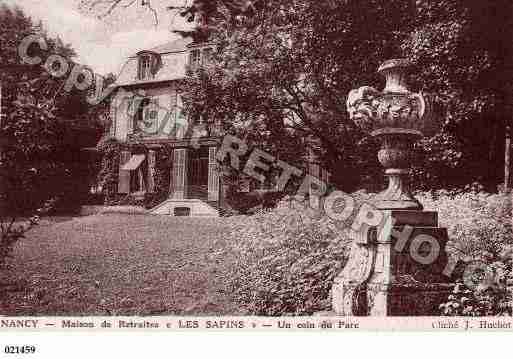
pixel 119 264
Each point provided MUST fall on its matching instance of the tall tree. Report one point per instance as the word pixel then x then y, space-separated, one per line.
pixel 39 158
pixel 301 58
pixel 280 77
pixel 286 66
pixel 463 50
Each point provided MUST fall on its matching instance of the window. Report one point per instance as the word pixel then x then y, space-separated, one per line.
pixel 207 55
pixel 91 92
pixel 144 67
pixel 148 65
pixel 146 116
pixel 182 212
pixel 195 58
pixel 200 57
pixel 140 116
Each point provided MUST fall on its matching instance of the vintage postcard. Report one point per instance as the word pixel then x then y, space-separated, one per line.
pixel 255 165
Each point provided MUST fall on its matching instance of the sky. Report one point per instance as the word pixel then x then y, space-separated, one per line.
pixel 104 42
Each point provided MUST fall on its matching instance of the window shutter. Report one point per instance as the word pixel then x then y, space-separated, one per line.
pixel 156 63
pixel 152 117
pixel 131 115
pixel 124 176
pixel 179 173
pixel 151 171
pixel 145 67
pixel 195 58
pixel 213 175
pixel 207 56
pixel 113 119
pixel 181 122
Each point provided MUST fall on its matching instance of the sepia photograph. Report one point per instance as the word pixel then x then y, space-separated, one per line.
pixel 255 165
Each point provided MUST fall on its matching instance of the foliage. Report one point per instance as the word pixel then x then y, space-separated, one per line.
pixel 282 71
pixel 40 140
pixel 279 79
pixel 248 203
pixel 286 261
pixel 462 60
pixel 287 258
pixel 10 234
pixel 479 224
pixel 496 300
pixel 109 170
pixel 283 68
pixel 108 175
pixel 438 164
pixel 480 232
pixel 163 166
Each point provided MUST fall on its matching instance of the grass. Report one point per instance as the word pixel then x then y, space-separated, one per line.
pixel 119 264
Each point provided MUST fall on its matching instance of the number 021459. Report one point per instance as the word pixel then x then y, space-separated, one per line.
pixel 15 349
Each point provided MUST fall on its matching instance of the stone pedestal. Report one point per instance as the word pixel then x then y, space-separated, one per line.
pixel 395 269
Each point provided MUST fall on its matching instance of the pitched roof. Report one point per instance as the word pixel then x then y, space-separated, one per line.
pixel 173 64
pixel 172 46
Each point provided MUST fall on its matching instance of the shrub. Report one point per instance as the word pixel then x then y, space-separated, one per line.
pixel 287 260
pixel 479 223
pixel 109 170
pixel 488 291
pixel 242 202
pixel 109 175
pixel 248 203
pixel 10 234
pixel 480 232
pixel 164 164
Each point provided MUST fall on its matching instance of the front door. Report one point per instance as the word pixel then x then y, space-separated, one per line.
pixel 197 174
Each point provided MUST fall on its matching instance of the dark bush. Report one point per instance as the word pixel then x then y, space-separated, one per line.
pixel 250 202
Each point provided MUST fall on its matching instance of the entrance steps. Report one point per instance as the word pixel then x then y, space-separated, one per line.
pixel 185 207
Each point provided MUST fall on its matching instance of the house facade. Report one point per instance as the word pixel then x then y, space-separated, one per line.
pixel 147 112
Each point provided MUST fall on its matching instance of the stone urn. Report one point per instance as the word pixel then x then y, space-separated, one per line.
pixel 395 268
pixel 398 118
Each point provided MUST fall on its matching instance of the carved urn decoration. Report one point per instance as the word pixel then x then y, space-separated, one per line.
pixel 398 118
pixel 387 273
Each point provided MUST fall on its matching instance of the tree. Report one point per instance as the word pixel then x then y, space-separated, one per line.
pixel 463 51
pixel 297 60
pixel 283 69
pixel 202 13
pixel 39 159
pixel 280 76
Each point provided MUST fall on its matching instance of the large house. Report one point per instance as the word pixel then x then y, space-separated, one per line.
pixel 146 111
